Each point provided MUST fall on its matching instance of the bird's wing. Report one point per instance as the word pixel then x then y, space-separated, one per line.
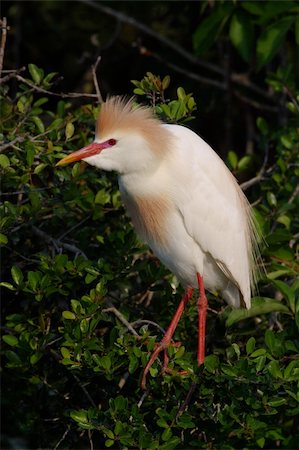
pixel 214 209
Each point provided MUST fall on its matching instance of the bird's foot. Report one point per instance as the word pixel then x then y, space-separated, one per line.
pixel 161 346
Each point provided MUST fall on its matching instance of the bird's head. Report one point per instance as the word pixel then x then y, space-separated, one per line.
pixel 127 139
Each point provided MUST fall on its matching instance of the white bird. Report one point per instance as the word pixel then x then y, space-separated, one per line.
pixel 183 202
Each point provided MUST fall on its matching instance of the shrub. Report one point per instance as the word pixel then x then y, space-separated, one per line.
pixel 84 301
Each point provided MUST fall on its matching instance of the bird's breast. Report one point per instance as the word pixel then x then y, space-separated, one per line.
pixel 149 216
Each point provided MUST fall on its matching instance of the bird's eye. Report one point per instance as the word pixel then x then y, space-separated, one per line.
pixel 112 142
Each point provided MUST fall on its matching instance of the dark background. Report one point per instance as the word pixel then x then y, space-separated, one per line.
pixel 68 36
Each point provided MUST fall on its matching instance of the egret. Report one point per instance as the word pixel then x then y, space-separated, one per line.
pixel 183 202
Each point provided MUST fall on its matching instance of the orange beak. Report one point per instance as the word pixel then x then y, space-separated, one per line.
pixel 85 152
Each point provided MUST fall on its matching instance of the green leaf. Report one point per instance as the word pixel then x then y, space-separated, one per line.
pixel 36 73
pixel 69 315
pixel 242 35
pixel 65 352
pixel 165 82
pixel 102 197
pixel 39 124
pixel 274 369
pixel 254 7
pixel 4 161
pixel 79 416
pixel 260 305
pixel 10 340
pixel 271 199
pixel 7 285
pixel 17 275
pixel 33 279
pixel 232 159
pixel 170 444
pixel 207 32
pixel 277 402
pixel 138 91
pixel 166 435
pixel 244 162
pixel 106 363
pixel 271 40
pixel 3 239
pixel 262 125
pixel 181 93
pixel 250 345
pixel 69 130
pixel 211 363
pixel 39 168
pixel 287 292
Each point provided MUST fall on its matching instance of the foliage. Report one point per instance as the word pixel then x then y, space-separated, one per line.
pixel 69 247
pixel 83 301
pixel 256 29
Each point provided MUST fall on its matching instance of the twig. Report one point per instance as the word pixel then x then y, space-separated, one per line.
pixel 95 80
pixel 240 79
pixel 11 74
pixel 183 407
pixel 142 398
pixel 41 90
pixel 259 177
pixel 84 390
pixel 90 439
pixel 57 243
pixel 18 139
pixel 255 104
pixel 4 28
pixel 294 195
pixel 74 227
pixel 120 316
pixel 186 72
pixel 122 17
pixel 62 437
pixel 149 322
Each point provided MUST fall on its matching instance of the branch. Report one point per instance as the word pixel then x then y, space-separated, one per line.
pixel 240 79
pixel 120 316
pixel 259 177
pixel 57 243
pixel 122 17
pixel 4 28
pixel 11 143
pixel 15 74
pixel 192 75
pixel 61 94
pixel 95 80
pixel 147 322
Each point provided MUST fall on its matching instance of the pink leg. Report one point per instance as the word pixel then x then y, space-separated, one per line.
pixel 166 341
pixel 202 313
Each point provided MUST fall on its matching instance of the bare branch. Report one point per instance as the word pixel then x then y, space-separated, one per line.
pixel 122 17
pixel 192 75
pixel 11 143
pixel 120 316
pixel 62 437
pixel 95 80
pixel 259 177
pixel 147 322
pixel 240 79
pixel 57 243
pixel 4 28
pixel 89 432
pixel 84 390
pixel 294 195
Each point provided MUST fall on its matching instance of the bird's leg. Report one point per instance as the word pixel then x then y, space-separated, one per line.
pixel 166 341
pixel 202 314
